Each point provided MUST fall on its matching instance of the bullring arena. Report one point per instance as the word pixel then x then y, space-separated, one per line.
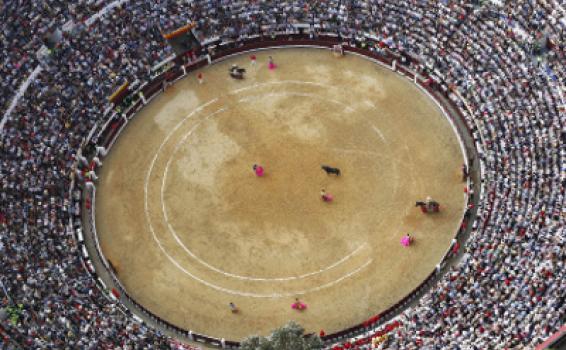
pixel 190 228
pixel 196 174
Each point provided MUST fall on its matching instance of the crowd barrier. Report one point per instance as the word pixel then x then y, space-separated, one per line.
pixel 556 341
pixel 404 65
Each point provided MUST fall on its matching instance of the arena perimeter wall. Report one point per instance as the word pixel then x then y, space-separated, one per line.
pixel 117 118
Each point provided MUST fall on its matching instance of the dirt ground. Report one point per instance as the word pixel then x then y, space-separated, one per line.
pixel 190 228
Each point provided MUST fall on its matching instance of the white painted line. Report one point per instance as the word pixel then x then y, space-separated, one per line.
pixel 282 82
pixel 211 285
pixel 173 232
pixel 376 129
pixel 300 94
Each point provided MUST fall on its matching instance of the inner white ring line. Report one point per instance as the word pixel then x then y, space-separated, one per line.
pixel 248 98
pixel 376 129
pixel 200 280
pixel 298 82
pixel 173 232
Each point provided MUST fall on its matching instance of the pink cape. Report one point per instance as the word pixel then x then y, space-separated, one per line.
pixel 259 171
pixel 405 241
pixel 298 306
pixel 271 65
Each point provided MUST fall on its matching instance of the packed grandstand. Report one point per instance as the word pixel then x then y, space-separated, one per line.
pixel 503 64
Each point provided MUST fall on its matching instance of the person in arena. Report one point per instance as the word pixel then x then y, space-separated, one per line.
pixel 298 305
pixel 258 170
pixel 326 197
pixel 233 308
pixel 465 173
pixel 270 64
pixel 406 240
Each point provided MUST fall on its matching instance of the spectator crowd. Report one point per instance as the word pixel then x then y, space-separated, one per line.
pixel 507 291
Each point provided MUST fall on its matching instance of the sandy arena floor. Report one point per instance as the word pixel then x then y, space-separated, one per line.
pixel 190 228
